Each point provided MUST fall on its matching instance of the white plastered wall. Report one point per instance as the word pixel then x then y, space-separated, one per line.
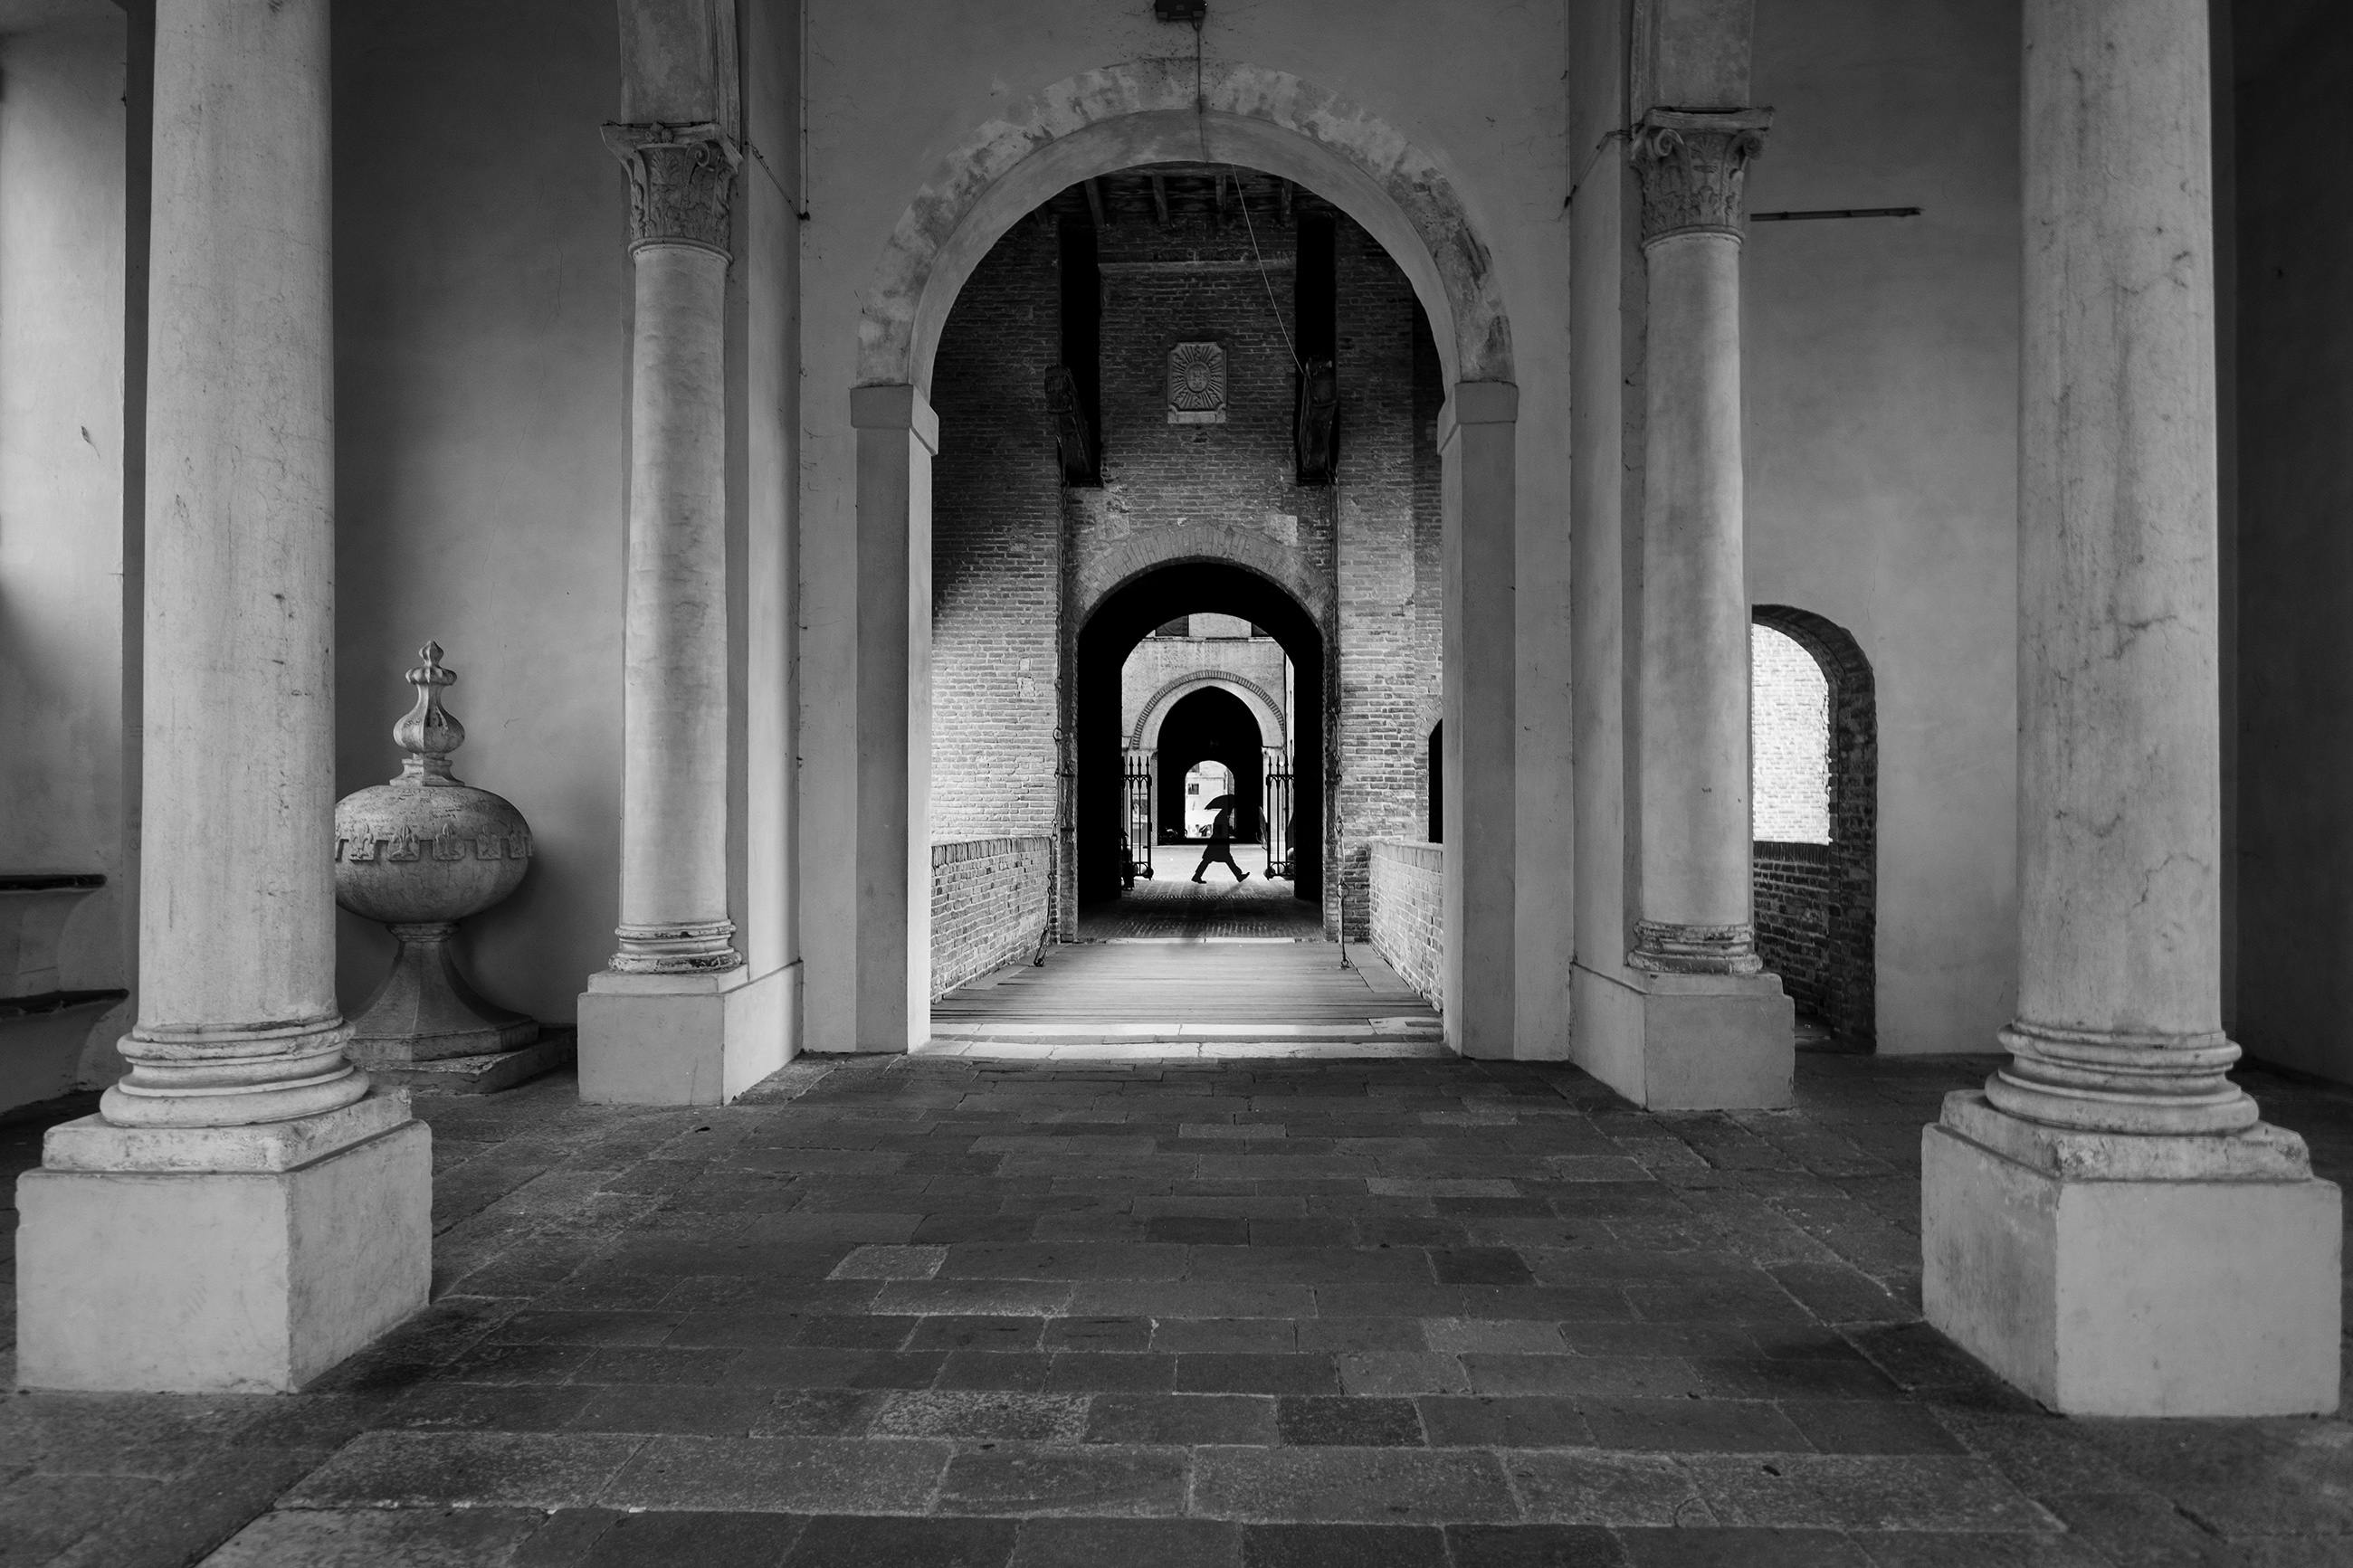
pixel 61 473
pixel 1882 416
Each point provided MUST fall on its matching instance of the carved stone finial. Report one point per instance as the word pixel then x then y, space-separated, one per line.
pixel 428 732
pixel 420 854
pixel 682 178
pixel 1692 168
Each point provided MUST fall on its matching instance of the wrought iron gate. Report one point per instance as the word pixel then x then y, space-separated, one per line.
pixel 1137 830
pixel 1275 814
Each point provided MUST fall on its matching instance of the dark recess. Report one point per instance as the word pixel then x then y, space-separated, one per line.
pixel 1081 319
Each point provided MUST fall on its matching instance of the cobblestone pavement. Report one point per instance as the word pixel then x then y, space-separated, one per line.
pixel 909 1314
pixel 1170 904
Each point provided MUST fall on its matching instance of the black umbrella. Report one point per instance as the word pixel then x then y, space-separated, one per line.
pixel 1224 800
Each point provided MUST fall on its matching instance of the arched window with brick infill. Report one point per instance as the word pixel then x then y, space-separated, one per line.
pixel 1814 758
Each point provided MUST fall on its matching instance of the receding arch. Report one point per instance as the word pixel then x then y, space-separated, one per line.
pixel 1145 111
pixel 1848 983
pixel 1123 618
pixel 1218 543
pixel 1210 723
pixel 1264 708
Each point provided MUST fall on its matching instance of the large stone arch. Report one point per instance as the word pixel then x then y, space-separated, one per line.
pixel 868 856
pixel 1264 708
pixel 1145 111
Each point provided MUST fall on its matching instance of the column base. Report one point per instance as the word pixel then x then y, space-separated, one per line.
pixel 493 1072
pixel 1686 1042
pixel 684 1039
pixel 2112 1274
pixel 228 1260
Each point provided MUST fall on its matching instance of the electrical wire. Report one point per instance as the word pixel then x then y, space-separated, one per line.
pixel 1200 100
pixel 1273 306
pixel 1201 130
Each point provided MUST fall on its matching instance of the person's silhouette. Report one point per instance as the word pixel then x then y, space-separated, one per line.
pixel 1221 845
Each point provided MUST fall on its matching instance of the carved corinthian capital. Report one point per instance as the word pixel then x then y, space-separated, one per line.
pixel 1691 168
pixel 681 179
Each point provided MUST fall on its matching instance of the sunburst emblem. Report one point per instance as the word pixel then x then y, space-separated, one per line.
pixel 1197 377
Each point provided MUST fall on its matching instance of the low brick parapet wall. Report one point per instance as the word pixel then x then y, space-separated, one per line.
pixel 990 900
pixel 1409 914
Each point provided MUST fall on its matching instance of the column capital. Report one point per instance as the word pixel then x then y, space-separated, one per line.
pixel 682 178
pixel 1692 168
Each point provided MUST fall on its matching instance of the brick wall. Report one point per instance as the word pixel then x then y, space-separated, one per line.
pixel 1184 486
pixel 1789 740
pixel 989 901
pixel 1389 647
pixel 1406 913
pixel 1791 885
pixel 996 549
pixel 1017 562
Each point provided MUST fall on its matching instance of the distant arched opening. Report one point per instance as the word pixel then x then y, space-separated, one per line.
pixel 1814 750
pixel 1209 726
pixel 1124 616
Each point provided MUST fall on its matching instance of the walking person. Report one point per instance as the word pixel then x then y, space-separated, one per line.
pixel 1221 841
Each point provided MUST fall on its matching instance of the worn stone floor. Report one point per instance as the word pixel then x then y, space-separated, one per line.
pixel 1170 906
pixel 915 1312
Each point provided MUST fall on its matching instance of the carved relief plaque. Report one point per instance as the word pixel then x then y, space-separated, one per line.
pixel 1196 383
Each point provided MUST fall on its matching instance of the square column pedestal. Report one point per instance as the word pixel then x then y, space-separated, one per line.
pixel 684 1039
pixel 2110 1274
pixel 220 1259
pixel 1686 1042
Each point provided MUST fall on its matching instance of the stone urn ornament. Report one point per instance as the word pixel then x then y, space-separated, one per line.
pixel 420 854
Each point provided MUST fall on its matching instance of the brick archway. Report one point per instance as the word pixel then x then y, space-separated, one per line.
pixel 1220 542
pixel 1264 708
pixel 1844 980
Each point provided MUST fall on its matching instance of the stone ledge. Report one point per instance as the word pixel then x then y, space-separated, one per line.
pixel 48 1002
pixel 487 1073
pixel 1428 857
pixel 951 852
pixel 2261 1154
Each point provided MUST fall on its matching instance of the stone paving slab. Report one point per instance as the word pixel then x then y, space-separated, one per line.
pixel 1236 1313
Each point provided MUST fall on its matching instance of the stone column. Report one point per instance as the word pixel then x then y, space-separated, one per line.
pixel 1717 1031
pixel 898 435
pixel 657 1025
pixel 1479 670
pixel 245 1211
pixel 674 632
pixel 2109 1224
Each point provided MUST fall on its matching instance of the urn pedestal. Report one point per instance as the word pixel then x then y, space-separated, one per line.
pixel 419 854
